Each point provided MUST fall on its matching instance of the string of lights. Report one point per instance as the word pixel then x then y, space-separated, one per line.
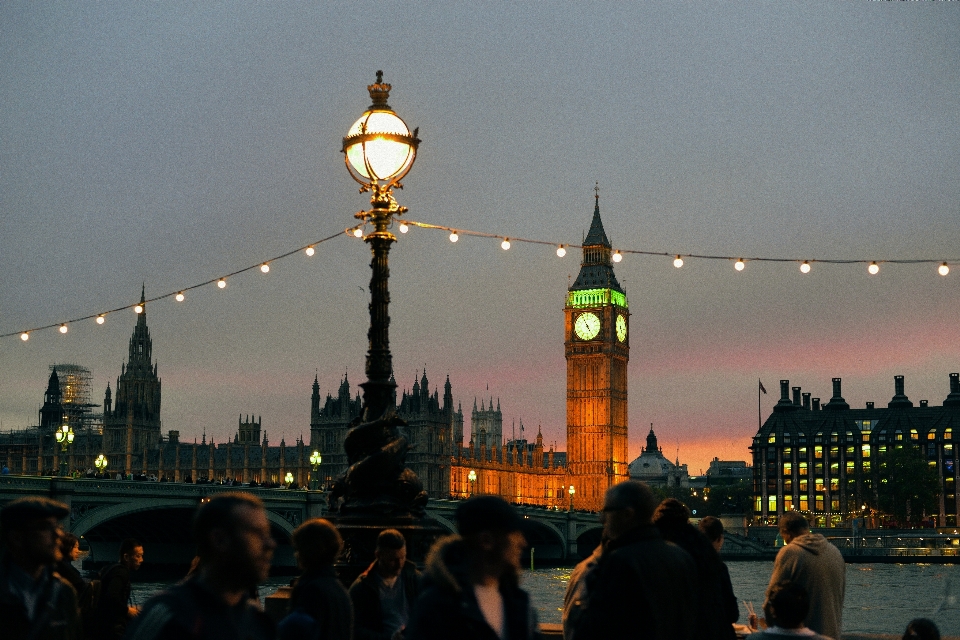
pixel 179 294
pixel 739 263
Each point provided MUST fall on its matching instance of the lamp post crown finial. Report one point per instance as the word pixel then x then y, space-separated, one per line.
pixel 379 92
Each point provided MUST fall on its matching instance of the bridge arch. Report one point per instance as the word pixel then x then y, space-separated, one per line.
pixel 102 514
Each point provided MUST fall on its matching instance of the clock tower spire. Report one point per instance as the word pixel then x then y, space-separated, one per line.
pixel 597 350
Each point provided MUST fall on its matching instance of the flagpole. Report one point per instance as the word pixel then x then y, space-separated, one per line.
pixel 759 420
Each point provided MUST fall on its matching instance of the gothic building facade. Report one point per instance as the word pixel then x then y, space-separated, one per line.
pixel 824 460
pixel 131 421
pixel 432 423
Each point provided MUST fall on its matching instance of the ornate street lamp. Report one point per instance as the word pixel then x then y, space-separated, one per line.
pixel 379 149
pixel 571 491
pixel 472 477
pixel 100 463
pixel 288 479
pixel 65 438
pixel 315 463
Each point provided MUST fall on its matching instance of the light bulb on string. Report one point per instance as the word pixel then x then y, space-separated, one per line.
pixel 943 269
pixel 358 232
pixel 25 336
pixel 180 296
pixel 63 328
pixel 453 236
pixel 874 268
pixel 505 244
pixel 265 267
pixel 222 283
pixel 561 251
pixel 678 262
pixel 739 265
pixel 617 256
pixel 805 267
pixel 309 251
pixel 138 309
pixel 403 227
pixel 100 319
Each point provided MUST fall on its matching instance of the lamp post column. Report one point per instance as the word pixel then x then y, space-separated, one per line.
pixel 378 388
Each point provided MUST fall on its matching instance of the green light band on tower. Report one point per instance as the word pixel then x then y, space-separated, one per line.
pixel 593 297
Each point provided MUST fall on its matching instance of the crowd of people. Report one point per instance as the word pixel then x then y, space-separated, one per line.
pixel 655 575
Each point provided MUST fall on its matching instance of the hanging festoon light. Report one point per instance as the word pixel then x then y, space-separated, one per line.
pixel 678 262
pixel 101 319
pixel 617 256
pixel 309 250
pixel 222 283
pixel 138 309
pixel 180 296
pixel 874 268
pixel 25 336
pixel 403 227
pixel 943 269
pixel 453 236
pixel 63 328
pixel 739 264
pixel 561 251
pixel 265 268
pixel 505 244
pixel 358 232
pixel 805 267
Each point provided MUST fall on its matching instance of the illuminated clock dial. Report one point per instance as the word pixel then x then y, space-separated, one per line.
pixel 587 326
pixel 621 328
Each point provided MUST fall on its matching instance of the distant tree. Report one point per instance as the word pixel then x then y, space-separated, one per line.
pixel 732 497
pixel 907 486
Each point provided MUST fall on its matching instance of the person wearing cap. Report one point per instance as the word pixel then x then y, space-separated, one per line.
pixel 471 584
pixel 114 610
pixel 643 586
pixel 35 602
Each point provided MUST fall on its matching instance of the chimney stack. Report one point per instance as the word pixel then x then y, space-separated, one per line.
pixel 899 400
pixel 785 404
pixel 796 396
pixel 806 401
pixel 869 405
pixel 816 404
pixel 837 401
pixel 953 400
pixel 924 403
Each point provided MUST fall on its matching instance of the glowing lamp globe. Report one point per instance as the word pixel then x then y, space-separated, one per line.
pixel 805 267
pixel 943 269
pixel 739 265
pixel 874 268
pixel 379 147
pixel 678 262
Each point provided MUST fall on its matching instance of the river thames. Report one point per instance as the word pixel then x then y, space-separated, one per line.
pixel 880 598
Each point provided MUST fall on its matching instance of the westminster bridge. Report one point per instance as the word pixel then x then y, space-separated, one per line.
pixel 104 512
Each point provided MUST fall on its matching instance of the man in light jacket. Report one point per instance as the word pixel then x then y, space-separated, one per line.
pixel 811 561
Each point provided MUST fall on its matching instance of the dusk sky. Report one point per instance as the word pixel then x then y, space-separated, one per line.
pixel 172 143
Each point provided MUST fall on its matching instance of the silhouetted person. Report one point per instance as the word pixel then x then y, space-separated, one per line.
pixel 921 629
pixel 712 528
pixel 235 546
pixel 672 518
pixel 642 585
pixel 383 596
pixel 785 609
pixel 35 602
pixel 320 608
pixel 115 611
pixel 471 586
pixel 811 561
pixel 70 553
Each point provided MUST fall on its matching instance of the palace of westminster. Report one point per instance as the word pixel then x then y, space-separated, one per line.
pixel 805 456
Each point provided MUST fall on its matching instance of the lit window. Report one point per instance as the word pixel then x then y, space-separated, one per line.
pixel 948 434
pixel 914 435
pixel 787 468
pixel 803 484
pixel 865 450
pixel 772 439
pixel 818 453
pixel 803 468
pixel 804 503
pixel 899 435
pixel 932 435
pixel 772 503
pixel 850 469
pixel 819 484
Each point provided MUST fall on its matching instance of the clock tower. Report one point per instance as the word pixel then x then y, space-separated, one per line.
pixel 597 347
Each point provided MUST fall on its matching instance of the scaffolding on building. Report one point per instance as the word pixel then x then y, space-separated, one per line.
pixel 75 389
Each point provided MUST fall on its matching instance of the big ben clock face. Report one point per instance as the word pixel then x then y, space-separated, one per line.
pixel 621 328
pixel 587 326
